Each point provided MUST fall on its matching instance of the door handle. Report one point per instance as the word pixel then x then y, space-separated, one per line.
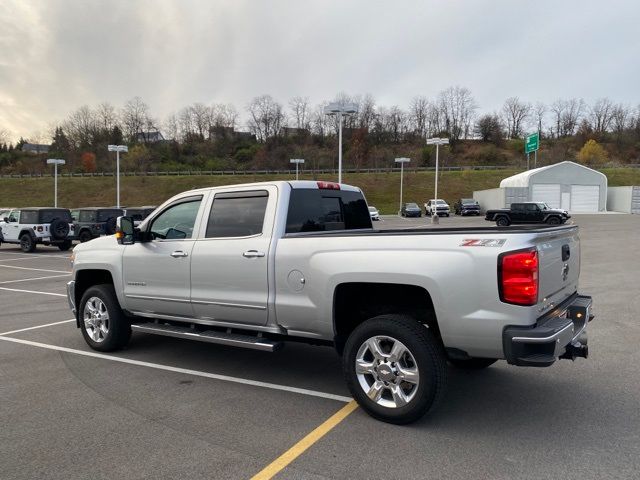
pixel 252 254
pixel 179 253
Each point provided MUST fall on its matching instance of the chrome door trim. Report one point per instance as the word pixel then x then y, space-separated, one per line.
pixel 164 299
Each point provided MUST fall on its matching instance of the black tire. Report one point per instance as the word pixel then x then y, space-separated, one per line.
pixel 553 221
pixel 118 329
pixel 502 222
pixel 110 226
pixel 59 229
pixel 64 246
pixel 27 243
pixel 423 347
pixel 472 363
pixel 85 236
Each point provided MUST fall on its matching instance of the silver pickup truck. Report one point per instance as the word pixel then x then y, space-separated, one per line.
pixel 258 264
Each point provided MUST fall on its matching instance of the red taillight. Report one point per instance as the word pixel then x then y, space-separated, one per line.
pixel 518 277
pixel 328 186
pixel 39 228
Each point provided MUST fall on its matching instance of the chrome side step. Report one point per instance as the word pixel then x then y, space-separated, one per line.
pixel 209 336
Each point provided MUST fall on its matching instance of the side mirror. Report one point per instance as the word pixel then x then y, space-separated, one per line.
pixel 125 231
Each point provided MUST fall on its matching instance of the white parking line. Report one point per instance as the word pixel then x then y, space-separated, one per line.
pixel 35 256
pixel 13 259
pixel 34 269
pixel 35 278
pixel 186 371
pixel 37 326
pixel 32 291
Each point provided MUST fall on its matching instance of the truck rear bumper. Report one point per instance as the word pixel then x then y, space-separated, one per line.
pixel 562 334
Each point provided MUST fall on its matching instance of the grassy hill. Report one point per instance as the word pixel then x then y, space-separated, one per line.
pixel 381 189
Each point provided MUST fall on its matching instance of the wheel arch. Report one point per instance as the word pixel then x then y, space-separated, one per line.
pixel 355 302
pixel 85 279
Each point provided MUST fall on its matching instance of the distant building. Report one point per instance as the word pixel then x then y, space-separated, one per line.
pixel 150 137
pixel 244 136
pixel 35 148
pixel 221 133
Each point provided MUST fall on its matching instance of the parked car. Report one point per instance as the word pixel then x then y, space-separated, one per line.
pixel 527 212
pixel 373 212
pixel 254 265
pixel 138 213
pixel 410 210
pixel 439 207
pixel 31 226
pixel 91 222
pixel 466 206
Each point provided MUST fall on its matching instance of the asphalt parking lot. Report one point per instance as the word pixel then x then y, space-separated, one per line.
pixel 167 408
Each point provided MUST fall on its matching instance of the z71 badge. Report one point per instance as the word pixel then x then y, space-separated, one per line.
pixel 485 242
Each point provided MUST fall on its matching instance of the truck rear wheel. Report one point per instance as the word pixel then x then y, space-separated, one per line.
pixel 27 243
pixel 104 325
pixel 472 363
pixel 395 368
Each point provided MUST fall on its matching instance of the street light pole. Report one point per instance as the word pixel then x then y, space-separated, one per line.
pixel 437 142
pixel 118 149
pixel 55 162
pixel 297 161
pixel 340 109
pixel 401 161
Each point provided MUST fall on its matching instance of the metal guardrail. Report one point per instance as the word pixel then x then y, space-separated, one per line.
pixel 281 172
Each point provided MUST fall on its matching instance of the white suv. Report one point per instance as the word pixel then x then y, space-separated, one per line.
pixel 30 226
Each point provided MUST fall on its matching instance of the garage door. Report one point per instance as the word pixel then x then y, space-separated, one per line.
pixel 585 198
pixel 547 193
pixel 635 200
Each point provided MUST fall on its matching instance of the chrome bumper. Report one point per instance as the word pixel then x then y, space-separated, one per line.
pixel 71 295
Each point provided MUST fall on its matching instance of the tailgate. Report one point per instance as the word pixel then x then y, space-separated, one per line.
pixel 559 264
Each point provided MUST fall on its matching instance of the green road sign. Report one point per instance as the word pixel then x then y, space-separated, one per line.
pixel 531 143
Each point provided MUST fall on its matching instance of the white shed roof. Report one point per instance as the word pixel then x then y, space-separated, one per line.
pixel 522 179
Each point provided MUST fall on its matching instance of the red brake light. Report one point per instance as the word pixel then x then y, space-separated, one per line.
pixel 39 228
pixel 518 277
pixel 328 186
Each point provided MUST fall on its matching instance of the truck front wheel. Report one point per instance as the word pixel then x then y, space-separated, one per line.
pixel 395 368
pixel 502 222
pixel 103 323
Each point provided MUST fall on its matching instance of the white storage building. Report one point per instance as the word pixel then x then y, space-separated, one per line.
pixel 565 185
pixel 624 199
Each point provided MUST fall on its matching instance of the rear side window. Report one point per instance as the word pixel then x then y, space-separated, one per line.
pixel 47 216
pixel 316 210
pixel 237 214
pixel 87 216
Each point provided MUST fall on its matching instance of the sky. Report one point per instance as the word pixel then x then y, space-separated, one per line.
pixel 57 55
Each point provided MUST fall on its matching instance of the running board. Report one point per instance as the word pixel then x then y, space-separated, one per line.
pixel 209 336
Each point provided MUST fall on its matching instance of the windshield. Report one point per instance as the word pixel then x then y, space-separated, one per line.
pixel 543 206
pixel 441 202
pixel 412 205
pixel 468 200
pixel 373 209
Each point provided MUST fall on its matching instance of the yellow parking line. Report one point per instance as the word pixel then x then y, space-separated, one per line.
pixel 299 448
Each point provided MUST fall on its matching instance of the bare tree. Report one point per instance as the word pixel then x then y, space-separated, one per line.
pixel 80 126
pixel 457 108
pixel 299 107
pixel 201 119
pixel 567 115
pixel 601 115
pixel 319 121
pixel 515 114
pixel 366 111
pixel 135 116
pixel 418 114
pixel 539 111
pixel 266 117
pixel 170 127
pixel 106 116
pixel 621 118
pixel 5 136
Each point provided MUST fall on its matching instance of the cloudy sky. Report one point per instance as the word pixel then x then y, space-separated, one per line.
pixel 56 55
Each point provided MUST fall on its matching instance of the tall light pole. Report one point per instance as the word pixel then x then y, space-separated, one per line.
pixel 118 149
pixel 55 162
pixel 297 161
pixel 401 161
pixel 437 142
pixel 339 110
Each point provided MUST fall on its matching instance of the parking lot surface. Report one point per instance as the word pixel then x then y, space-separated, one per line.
pixel 167 408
